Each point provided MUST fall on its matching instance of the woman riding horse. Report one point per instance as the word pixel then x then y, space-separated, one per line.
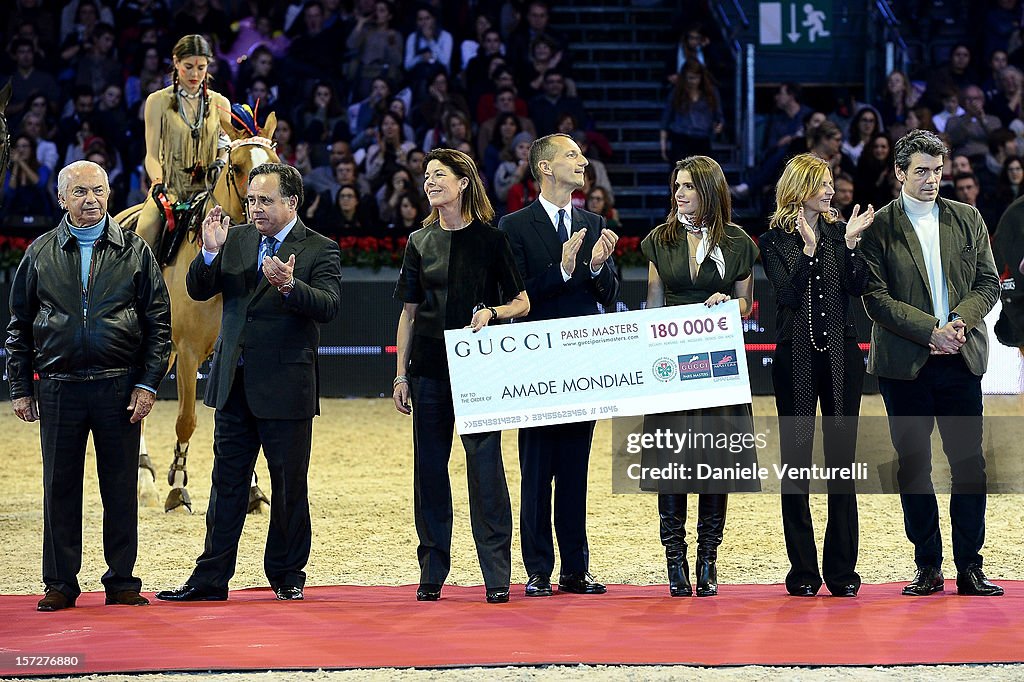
pixel 183 130
pixel 188 127
pixel 195 324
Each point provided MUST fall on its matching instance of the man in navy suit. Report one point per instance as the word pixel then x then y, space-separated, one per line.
pixel 564 256
pixel 280 281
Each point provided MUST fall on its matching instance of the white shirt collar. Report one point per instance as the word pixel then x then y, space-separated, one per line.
pixel 553 210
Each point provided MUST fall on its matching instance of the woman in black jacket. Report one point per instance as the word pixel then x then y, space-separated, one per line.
pixel 815 266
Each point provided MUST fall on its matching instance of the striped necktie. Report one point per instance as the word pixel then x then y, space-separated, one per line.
pixel 268 247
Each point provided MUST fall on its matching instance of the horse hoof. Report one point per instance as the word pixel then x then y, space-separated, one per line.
pixel 148 496
pixel 257 498
pixel 178 497
pixel 146 463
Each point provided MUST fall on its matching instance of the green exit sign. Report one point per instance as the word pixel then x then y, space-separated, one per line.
pixel 802 25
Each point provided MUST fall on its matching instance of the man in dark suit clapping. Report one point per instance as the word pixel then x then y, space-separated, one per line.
pixel 564 256
pixel 280 282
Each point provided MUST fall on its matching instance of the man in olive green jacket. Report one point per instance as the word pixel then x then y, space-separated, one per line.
pixel 931 282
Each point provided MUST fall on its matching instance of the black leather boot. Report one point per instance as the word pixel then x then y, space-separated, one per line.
pixel 672 511
pixel 710 527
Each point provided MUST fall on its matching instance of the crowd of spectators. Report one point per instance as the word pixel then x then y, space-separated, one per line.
pixel 976 107
pixel 361 90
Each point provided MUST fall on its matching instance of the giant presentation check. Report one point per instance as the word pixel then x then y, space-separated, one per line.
pixel 575 369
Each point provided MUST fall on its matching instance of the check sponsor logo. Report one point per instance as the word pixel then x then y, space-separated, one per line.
pixel 694 366
pixel 664 369
pixel 724 364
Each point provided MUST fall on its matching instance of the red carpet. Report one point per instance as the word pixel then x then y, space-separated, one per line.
pixel 369 627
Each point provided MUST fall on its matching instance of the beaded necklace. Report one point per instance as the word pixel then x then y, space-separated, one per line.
pixel 810 313
pixel 193 126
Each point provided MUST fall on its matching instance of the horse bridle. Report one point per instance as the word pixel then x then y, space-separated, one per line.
pixel 232 175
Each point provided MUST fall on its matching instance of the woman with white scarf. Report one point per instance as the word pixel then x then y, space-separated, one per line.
pixel 698 256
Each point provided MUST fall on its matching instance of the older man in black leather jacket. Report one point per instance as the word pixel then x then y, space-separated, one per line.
pixel 91 315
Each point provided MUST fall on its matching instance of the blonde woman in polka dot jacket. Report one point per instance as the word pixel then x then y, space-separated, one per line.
pixel 814 263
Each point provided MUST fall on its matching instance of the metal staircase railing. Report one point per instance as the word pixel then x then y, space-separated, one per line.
pixel 887 40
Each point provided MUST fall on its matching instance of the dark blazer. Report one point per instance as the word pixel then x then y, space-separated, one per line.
pixel 279 335
pixel 898 296
pixel 538 254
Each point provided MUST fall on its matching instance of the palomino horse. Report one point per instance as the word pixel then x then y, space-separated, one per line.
pixel 195 324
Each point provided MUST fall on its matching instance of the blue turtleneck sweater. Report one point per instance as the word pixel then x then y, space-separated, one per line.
pixel 86 238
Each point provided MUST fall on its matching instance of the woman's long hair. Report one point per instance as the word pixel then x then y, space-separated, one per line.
pixel 866 186
pixel 800 181
pixel 191 46
pixel 496 140
pixel 907 98
pixel 397 120
pixel 1005 191
pixel 32 161
pixel 854 135
pixel 334 107
pixel 475 204
pixel 715 202
pixel 680 96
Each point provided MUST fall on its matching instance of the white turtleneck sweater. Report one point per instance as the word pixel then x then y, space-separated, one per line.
pixel 924 216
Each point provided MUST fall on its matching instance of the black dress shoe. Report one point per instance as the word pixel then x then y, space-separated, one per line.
pixel 497 596
pixel 539 585
pixel 54 600
pixel 126 598
pixel 428 592
pixel 190 593
pixel 288 593
pixel 802 590
pixel 580 583
pixel 927 580
pixel 845 590
pixel 973 582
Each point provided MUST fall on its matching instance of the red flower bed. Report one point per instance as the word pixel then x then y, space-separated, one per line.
pixel 12 249
pixel 372 252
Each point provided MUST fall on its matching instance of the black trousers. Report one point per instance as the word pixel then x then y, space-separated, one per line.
pixel 947 393
pixel 839 438
pixel 490 509
pixel 68 411
pixel 559 453
pixel 237 439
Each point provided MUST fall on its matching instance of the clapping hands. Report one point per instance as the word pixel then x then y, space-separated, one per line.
pixel 858 223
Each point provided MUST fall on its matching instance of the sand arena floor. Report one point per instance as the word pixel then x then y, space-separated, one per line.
pixel 363 533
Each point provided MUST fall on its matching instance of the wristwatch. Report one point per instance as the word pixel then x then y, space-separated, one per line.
pixel 287 287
